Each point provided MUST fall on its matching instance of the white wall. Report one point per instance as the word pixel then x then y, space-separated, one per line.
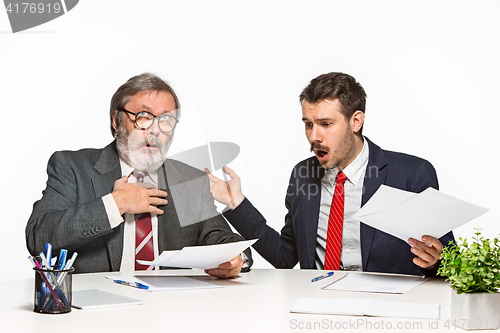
pixel 430 70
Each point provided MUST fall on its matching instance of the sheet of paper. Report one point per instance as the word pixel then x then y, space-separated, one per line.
pixel 352 307
pixel 402 309
pixel 165 282
pixel 366 307
pixel 405 214
pixel 390 284
pixel 99 298
pixel 385 198
pixel 206 257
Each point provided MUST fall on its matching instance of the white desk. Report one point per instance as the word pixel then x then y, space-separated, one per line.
pixel 258 301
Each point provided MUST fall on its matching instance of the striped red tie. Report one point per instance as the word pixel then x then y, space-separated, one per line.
pixel 335 222
pixel 143 234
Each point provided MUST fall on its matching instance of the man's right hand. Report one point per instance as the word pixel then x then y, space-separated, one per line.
pixel 227 193
pixel 138 198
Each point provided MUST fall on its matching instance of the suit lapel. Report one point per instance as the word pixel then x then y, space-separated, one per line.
pixel 310 211
pixel 169 220
pixel 374 177
pixel 108 171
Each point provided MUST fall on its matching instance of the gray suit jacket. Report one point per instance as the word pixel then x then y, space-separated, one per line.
pixel 71 214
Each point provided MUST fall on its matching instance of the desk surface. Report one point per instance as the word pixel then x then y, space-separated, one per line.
pixel 258 301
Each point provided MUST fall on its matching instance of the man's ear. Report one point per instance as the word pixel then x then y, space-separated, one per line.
pixel 115 120
pixel 357 121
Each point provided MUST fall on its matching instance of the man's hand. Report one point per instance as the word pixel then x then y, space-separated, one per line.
pixel 138 198
pixel 219 188
pixel 428 251
pixel 228 269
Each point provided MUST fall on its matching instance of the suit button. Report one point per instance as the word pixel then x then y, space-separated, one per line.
pixel 96 229
pixel 84 234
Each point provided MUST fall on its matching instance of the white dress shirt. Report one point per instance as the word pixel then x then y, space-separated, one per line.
pixel 115 219
pixel 353 190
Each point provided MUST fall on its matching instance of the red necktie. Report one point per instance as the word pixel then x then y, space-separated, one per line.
pixel 335 222
pixel 143 234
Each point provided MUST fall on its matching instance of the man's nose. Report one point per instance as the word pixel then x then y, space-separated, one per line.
pixel 315 134
pixel 155 128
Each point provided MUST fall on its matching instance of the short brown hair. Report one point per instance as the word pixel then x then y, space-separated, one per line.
pixel 145 82
pixel 339 86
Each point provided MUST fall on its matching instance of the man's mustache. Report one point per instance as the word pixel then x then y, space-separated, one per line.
pixel 316 145
pixel 150 141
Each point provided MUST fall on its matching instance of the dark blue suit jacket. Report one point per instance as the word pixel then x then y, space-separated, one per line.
pixel 380 252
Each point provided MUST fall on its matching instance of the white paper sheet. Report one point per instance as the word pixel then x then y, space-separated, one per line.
pixel 165 282
pixel 366 307
pixel 404 214
pixel 402 309
pixel 390 284
pixel 351 307
pixel 99 298
pixel 385 198
pixel 206 257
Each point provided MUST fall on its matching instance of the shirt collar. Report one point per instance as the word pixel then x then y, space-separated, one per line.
pixel 127 170
pixel 353 171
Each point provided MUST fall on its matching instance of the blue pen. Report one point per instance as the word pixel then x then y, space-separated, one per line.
pixel 322 277
pixel 48 254
pixel 69 264
pixel 132 284
pixel 61 262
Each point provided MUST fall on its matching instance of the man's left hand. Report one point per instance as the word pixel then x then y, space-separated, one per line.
pixel 428 251
pixel 228 269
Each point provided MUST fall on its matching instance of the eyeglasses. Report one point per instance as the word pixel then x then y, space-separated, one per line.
pixel 145 120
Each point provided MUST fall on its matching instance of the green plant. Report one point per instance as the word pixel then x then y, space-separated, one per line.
pixel 472 268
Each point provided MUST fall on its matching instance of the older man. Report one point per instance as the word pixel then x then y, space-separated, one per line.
pixel 127 202
pixel 326 190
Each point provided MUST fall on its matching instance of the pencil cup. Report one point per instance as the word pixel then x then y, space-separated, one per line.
pixel 53 290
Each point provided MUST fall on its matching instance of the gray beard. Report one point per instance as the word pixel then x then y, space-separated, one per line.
pixel 128 150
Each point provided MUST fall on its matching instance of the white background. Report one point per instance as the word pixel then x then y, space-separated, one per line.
pixel 430 69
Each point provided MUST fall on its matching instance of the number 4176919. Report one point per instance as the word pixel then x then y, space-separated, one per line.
pixel 33 8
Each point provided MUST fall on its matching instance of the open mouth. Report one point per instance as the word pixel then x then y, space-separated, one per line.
pixel 148 145
pixel 321 153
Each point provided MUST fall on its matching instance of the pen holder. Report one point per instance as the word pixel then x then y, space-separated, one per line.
pixel 53 290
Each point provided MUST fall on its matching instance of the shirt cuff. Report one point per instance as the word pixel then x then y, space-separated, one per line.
pixel 114 217
pixel 246 261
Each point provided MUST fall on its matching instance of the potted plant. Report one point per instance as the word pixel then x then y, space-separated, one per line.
pixel 473 271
